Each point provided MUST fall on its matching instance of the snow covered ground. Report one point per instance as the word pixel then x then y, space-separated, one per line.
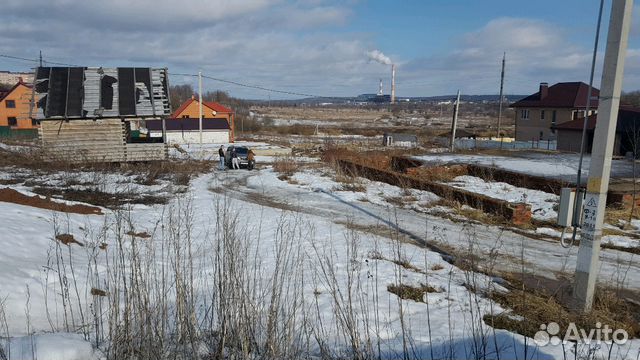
pixel 558 165
pixel 337 225
pixel 542 203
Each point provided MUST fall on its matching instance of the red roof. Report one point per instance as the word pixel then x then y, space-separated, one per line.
pixel 217 107
pixel 209 104
pixel 593 119
pixel 561 95
pixel 4 94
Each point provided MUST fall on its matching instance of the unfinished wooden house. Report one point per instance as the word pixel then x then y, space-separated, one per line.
pixel 95 114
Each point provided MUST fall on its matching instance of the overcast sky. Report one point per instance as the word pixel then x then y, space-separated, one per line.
pixel 321 47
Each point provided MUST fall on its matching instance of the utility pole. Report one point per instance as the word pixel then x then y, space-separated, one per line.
pixel 587 266
pixel 40 58
pixel 200 105
pixel 454 123
pixel 504 55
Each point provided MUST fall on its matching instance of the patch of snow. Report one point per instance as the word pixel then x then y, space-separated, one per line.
pixel 555 233
pixel 621 241
pixel 54 346
pixel 542 203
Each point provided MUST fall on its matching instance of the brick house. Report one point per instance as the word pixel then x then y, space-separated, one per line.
pixel 183 126
pixel 14 108
pixel 538 114
pixel 627 136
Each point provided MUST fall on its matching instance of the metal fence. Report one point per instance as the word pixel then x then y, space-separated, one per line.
pixel 469 144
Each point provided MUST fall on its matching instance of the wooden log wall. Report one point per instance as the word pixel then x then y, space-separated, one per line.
pixel 102 140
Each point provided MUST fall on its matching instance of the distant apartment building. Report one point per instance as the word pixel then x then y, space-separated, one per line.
pixel 10 78
pixel 539 113
pixel 14 108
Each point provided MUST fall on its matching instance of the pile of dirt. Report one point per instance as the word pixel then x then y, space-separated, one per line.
pixel 68 239
pixel 13 196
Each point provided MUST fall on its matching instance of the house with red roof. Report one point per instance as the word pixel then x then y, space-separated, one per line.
pixel 538 114
pixel 183 126
pixel 627 138
pixel 14 109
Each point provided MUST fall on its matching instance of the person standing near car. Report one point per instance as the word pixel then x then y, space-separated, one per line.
pixel 251 159
pixel 221 155
pixel 234 159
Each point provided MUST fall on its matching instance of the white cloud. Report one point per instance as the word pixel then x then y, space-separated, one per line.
pixel 289 45
pixel 536 52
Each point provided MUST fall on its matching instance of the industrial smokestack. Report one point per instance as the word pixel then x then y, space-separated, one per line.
pixel 393 83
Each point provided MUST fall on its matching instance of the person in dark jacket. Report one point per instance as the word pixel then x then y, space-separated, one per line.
pixel 221 155
pixel 251 159
pixel 234 159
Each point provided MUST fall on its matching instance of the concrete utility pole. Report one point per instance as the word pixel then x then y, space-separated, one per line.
pixel 200 104
pixel 504 55
pixel 587 266
pixel 454 123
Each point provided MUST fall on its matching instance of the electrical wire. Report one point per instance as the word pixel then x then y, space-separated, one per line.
pixel 258 87
pixel 38 60
pixel 576 212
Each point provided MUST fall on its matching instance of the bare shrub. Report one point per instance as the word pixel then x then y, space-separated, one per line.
pixel 415 293
pixel 286 166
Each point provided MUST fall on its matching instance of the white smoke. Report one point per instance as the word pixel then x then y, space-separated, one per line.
pixel 378 56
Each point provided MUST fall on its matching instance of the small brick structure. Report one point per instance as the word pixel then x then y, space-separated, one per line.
pixel 623 199
pixel 516 213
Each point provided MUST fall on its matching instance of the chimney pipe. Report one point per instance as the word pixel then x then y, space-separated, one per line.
pixel 544 90
pixel 393 83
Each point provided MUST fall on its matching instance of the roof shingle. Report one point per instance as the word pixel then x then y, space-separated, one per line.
pixel 561 95
pixel 219 108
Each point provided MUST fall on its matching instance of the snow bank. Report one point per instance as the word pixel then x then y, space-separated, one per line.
pixel 542 203
pixel 55 346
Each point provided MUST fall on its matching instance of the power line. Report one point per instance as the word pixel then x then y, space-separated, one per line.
pixel 37 60
pixel 17 58
pixel 251 86
pixel 258 87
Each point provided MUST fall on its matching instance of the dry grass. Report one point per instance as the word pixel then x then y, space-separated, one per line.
pixel 408 292
pixel 533 307
pixel 438 173
pixel 180 172
pixel 285 166
pixel 407 265
pixel 68 239
pixel 619 215
pixel 349 183
pixel 468 213
pixel 100 198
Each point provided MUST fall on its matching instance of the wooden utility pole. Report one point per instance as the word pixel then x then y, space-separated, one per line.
pixel 200 105
pixel 587 266
pixel 454 123
pixel 504 55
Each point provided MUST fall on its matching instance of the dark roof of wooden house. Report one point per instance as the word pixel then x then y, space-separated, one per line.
pixel 561 95
pixel 188 124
